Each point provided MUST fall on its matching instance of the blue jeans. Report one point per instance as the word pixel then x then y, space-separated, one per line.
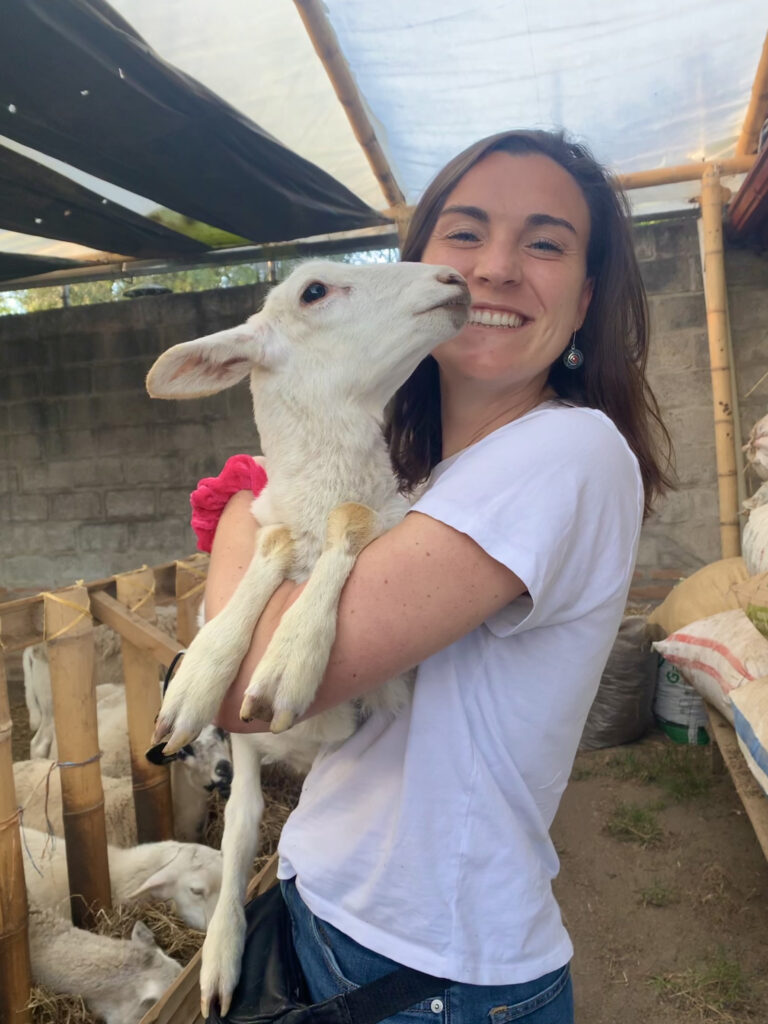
pixel 334 963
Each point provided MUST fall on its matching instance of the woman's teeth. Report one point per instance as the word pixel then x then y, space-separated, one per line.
pixel 495 318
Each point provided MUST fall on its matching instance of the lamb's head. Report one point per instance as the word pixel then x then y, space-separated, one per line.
pixel 344 329
pixel 143 973
pixel 207 761
pixel 190 876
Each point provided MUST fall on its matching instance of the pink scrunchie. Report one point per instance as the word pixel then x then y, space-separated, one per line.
pixel 240 473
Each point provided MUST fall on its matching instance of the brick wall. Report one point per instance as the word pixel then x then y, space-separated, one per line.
pixel 95 476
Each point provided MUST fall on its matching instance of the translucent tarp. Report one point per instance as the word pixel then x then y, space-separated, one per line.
pixel 646 84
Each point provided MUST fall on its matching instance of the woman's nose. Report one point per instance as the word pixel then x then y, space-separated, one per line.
pixel 499 265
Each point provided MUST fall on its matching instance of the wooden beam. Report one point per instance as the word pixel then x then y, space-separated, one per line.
pixel 326 44
pixel 15 971
pixel 752 797
pixel 716 298
pixel 131 626
pixel 683 172
pixel 757 111
pixel 23 618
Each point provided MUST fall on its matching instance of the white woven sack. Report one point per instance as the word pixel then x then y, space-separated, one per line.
pixel 717 655
pixel 750 719
pixel 754 541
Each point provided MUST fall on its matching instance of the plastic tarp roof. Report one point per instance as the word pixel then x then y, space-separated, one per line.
pixel 646 84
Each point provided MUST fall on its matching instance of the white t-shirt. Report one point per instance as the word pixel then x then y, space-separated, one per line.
pixel 425 837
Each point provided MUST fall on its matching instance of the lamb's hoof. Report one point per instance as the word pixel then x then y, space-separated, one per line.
pixel 255 707
pixel 172 743
pixel 282 721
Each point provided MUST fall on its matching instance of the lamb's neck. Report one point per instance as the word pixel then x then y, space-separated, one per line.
pixel 341 453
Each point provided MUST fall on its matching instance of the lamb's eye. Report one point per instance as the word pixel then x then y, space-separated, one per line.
pixel 313 292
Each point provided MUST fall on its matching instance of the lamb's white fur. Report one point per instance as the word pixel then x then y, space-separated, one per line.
pixel 107 669
pixel 203 765
pixel 195 778
pixel 119 979
pixel 322 368
pixel 189 874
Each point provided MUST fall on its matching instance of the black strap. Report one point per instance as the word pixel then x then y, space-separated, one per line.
pixel 391 994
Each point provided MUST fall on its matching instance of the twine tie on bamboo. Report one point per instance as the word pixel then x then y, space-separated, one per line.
pixel 202 576
pixel 83 612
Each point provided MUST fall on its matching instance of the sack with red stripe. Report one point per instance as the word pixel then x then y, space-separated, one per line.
pixel 717 655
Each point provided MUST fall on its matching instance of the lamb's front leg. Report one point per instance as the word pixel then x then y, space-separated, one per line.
pixel 286 679
pixel 225 938
pixel 215 654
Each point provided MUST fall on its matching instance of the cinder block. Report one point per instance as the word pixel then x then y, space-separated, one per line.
pixel 143 470
pixel 667 274
pixel 77 505
pixel 32 417
pixel 130 504
pixel 168 438
pixel 104 537
pixel 167 538
pixel 128 375
pixel 27 507
pixel 24 447
pixel 16 387
pixel 124 440
pixel 672 312
pixel 75 380
pixel 97 472
pixel 70 444
pixel 175 502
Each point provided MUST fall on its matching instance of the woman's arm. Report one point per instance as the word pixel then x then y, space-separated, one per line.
pixel 413 591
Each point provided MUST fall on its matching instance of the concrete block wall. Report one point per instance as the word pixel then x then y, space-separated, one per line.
pixel 95 476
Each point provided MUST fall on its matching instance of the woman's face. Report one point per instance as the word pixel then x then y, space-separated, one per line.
pixel 517 228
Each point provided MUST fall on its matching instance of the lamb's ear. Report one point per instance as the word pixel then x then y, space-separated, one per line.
pixel 207 365
pixel 159 882
pixel 142 936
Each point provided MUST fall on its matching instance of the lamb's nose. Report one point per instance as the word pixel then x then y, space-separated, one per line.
pixel 449 277
pixel 224 770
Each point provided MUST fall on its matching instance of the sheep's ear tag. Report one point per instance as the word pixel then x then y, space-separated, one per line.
pixel 157 755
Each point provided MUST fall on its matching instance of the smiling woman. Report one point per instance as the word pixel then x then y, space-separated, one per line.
pixel 423 839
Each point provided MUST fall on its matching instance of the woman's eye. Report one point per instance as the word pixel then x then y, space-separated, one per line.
pixel 462 236
pixel 313 292
pixel 546 245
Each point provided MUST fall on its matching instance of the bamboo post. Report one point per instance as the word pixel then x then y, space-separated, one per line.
pixel 191 574
pixel 69 635
pixel 151 782
pixel 15 971
pixel 719 362
pixel 320 31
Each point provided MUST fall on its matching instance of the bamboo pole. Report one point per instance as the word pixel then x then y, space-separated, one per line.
pixel 69 636
pixel 683 172
pixel 191 574
pixel 326 44
pixel 757 111
pixel 720 367
pixel 130 625
pixel 151 782
pixel 15 969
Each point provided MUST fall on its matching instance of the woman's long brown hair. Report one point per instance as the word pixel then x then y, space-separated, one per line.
pixel 613 337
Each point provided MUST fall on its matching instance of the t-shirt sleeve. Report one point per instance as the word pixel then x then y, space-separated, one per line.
pixel 557 498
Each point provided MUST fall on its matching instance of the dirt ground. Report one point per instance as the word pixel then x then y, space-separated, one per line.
pixel 663 885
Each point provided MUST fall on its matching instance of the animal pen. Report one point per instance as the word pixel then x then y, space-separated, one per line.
pixel 64 618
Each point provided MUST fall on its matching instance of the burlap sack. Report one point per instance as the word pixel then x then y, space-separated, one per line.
pixel 705 593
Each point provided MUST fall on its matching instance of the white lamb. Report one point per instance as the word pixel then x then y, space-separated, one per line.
pixel 201 767
pixel 190 797
pixel 188 874
pixel 107 669
pixel 119 979
pixel 325 355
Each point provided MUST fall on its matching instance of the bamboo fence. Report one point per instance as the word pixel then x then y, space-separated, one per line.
pixel 64 621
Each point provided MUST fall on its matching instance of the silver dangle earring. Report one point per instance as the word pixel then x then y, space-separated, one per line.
pixel 574 357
